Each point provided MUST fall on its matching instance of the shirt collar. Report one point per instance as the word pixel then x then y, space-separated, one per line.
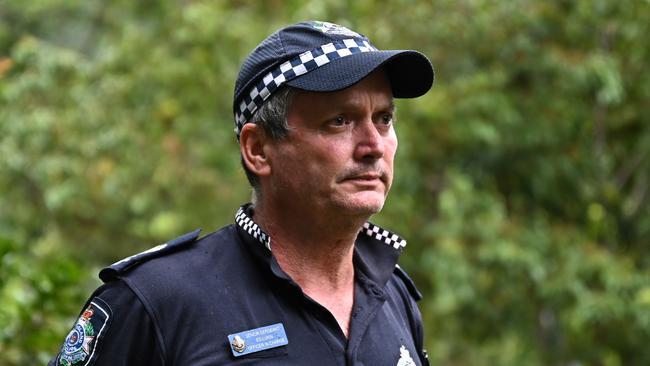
pixel 244 220
pixel 376 249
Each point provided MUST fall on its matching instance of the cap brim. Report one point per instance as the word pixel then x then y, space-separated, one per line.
pixel 410 72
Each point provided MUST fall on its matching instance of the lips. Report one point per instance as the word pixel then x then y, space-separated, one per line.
pixel 366 177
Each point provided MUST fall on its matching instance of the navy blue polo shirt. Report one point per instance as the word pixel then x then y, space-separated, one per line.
pixel 188 301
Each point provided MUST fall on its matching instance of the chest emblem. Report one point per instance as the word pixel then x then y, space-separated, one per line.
pixel 238 344
pixel 405 358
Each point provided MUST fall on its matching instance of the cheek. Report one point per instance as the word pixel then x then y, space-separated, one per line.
pixel 389 156
pixel 285 164
pixel 328 154
pixel 306 164
pixel 314 158
pixel 390 148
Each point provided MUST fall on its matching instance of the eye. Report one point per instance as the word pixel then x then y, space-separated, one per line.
pixel 338 121
pixel 386 119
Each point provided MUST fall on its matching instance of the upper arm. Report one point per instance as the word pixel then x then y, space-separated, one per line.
pixel 114 329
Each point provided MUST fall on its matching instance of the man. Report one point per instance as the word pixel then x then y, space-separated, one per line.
pixel 301 278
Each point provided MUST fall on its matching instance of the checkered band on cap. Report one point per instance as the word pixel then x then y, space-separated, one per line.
pixel 302 64
pixel 383 235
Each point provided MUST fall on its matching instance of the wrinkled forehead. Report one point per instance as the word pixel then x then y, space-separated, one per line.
pixel 376 85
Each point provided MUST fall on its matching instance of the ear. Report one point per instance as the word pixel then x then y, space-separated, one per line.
pixel 252 141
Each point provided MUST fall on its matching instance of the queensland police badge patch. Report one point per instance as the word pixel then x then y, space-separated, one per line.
pixel 81 343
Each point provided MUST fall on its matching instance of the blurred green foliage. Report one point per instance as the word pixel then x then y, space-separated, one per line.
pixel 522 177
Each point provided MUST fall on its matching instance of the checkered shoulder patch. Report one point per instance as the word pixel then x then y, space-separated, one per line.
pixel 383 235
pixel 247 223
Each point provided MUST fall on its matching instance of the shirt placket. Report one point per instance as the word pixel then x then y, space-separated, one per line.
pixel 368 301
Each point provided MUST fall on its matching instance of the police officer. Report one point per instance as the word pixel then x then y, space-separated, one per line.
pixel 301 277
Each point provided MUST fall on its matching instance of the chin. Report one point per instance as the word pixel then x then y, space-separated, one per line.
pixel 366 203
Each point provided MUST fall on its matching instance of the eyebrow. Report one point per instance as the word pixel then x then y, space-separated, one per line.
pixel 348 104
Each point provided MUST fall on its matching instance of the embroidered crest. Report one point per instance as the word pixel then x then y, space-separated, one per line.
pixel 80 344
pixel 331 28
pixel 405 358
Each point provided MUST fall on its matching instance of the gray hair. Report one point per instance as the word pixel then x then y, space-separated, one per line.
pixel 272 117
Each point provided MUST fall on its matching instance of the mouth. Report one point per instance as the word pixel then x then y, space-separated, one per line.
pixel 366 178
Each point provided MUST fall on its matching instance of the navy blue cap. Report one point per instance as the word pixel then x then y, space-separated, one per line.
pixel 320 56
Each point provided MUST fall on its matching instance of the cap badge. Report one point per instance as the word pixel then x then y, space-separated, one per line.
pixel 331 28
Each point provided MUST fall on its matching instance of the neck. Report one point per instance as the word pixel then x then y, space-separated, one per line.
pixel 310 245
pixel 316 251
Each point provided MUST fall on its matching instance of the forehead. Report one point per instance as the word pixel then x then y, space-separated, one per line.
pixel 374 89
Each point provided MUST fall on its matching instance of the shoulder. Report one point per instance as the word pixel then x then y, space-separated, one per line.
pixel 187 251
pixel 404 280
pixel 124 265
pixel 170 280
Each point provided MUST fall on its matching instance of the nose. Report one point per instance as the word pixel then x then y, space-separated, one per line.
pixel 370 143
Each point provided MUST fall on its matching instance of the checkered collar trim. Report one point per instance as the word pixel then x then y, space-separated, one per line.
pixel 383 235
pixel 248 225
pixel 300 65
pixel 373 231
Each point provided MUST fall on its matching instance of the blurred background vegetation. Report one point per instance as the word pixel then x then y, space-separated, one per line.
pixel 522 177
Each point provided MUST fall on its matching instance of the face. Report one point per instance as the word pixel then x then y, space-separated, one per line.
pixel 338 155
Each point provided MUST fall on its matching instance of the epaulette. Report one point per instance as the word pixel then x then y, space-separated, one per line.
pixel 109 273
pixel 410 285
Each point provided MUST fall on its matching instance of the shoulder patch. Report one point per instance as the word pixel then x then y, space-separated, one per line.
pixel 82 343
pixel 125 264
pixel 410 285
